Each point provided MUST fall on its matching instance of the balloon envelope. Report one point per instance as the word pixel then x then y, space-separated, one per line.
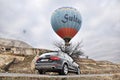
pixel 66 22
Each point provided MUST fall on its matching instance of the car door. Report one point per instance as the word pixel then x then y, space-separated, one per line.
pixel 70 61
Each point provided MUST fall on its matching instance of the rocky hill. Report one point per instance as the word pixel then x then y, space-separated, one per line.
pixel 21 57
pixel 25 64
pixel 90 66
pixel 14 43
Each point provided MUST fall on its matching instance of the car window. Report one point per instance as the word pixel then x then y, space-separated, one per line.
pixel 68 57
pixel 51 53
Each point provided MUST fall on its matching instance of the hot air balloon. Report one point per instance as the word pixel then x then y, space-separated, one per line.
pixel 66 22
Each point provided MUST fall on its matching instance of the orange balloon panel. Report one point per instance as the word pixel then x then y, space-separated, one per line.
pixel 66 32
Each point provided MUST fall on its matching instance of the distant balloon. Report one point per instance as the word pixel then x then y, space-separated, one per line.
pixel 24 31
pixel 66 22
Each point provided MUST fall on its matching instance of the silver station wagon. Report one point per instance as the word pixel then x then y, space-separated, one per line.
pixel 56 62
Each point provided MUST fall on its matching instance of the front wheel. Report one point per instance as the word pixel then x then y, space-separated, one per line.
pixel 64 70
pixel 78 71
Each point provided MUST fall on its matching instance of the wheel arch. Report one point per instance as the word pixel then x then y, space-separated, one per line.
pixel 65 63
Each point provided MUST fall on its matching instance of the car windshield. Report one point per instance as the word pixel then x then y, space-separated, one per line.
pixel 49 54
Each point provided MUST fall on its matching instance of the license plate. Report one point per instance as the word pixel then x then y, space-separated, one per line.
pixel 44 59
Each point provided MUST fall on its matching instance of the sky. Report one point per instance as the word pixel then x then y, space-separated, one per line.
pixel 29 21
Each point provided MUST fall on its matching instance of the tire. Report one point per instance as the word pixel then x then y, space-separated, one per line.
pixel 78 71
pixel 41 72
pixel 64 70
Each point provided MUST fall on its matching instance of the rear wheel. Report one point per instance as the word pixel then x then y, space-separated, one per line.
pixel 41 72
pixel 64 70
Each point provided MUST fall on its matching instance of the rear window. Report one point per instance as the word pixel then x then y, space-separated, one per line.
pixel 49 54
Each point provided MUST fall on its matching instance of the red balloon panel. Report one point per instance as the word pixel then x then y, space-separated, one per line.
pixel 66 32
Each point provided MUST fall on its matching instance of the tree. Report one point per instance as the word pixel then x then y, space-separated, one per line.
pixel 73 50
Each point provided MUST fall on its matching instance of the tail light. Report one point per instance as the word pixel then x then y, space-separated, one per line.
pixel 38 60
pixel 54 58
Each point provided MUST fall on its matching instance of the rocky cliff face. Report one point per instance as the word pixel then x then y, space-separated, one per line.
pixel 18 47
pixel 14 47
pixel 17 52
